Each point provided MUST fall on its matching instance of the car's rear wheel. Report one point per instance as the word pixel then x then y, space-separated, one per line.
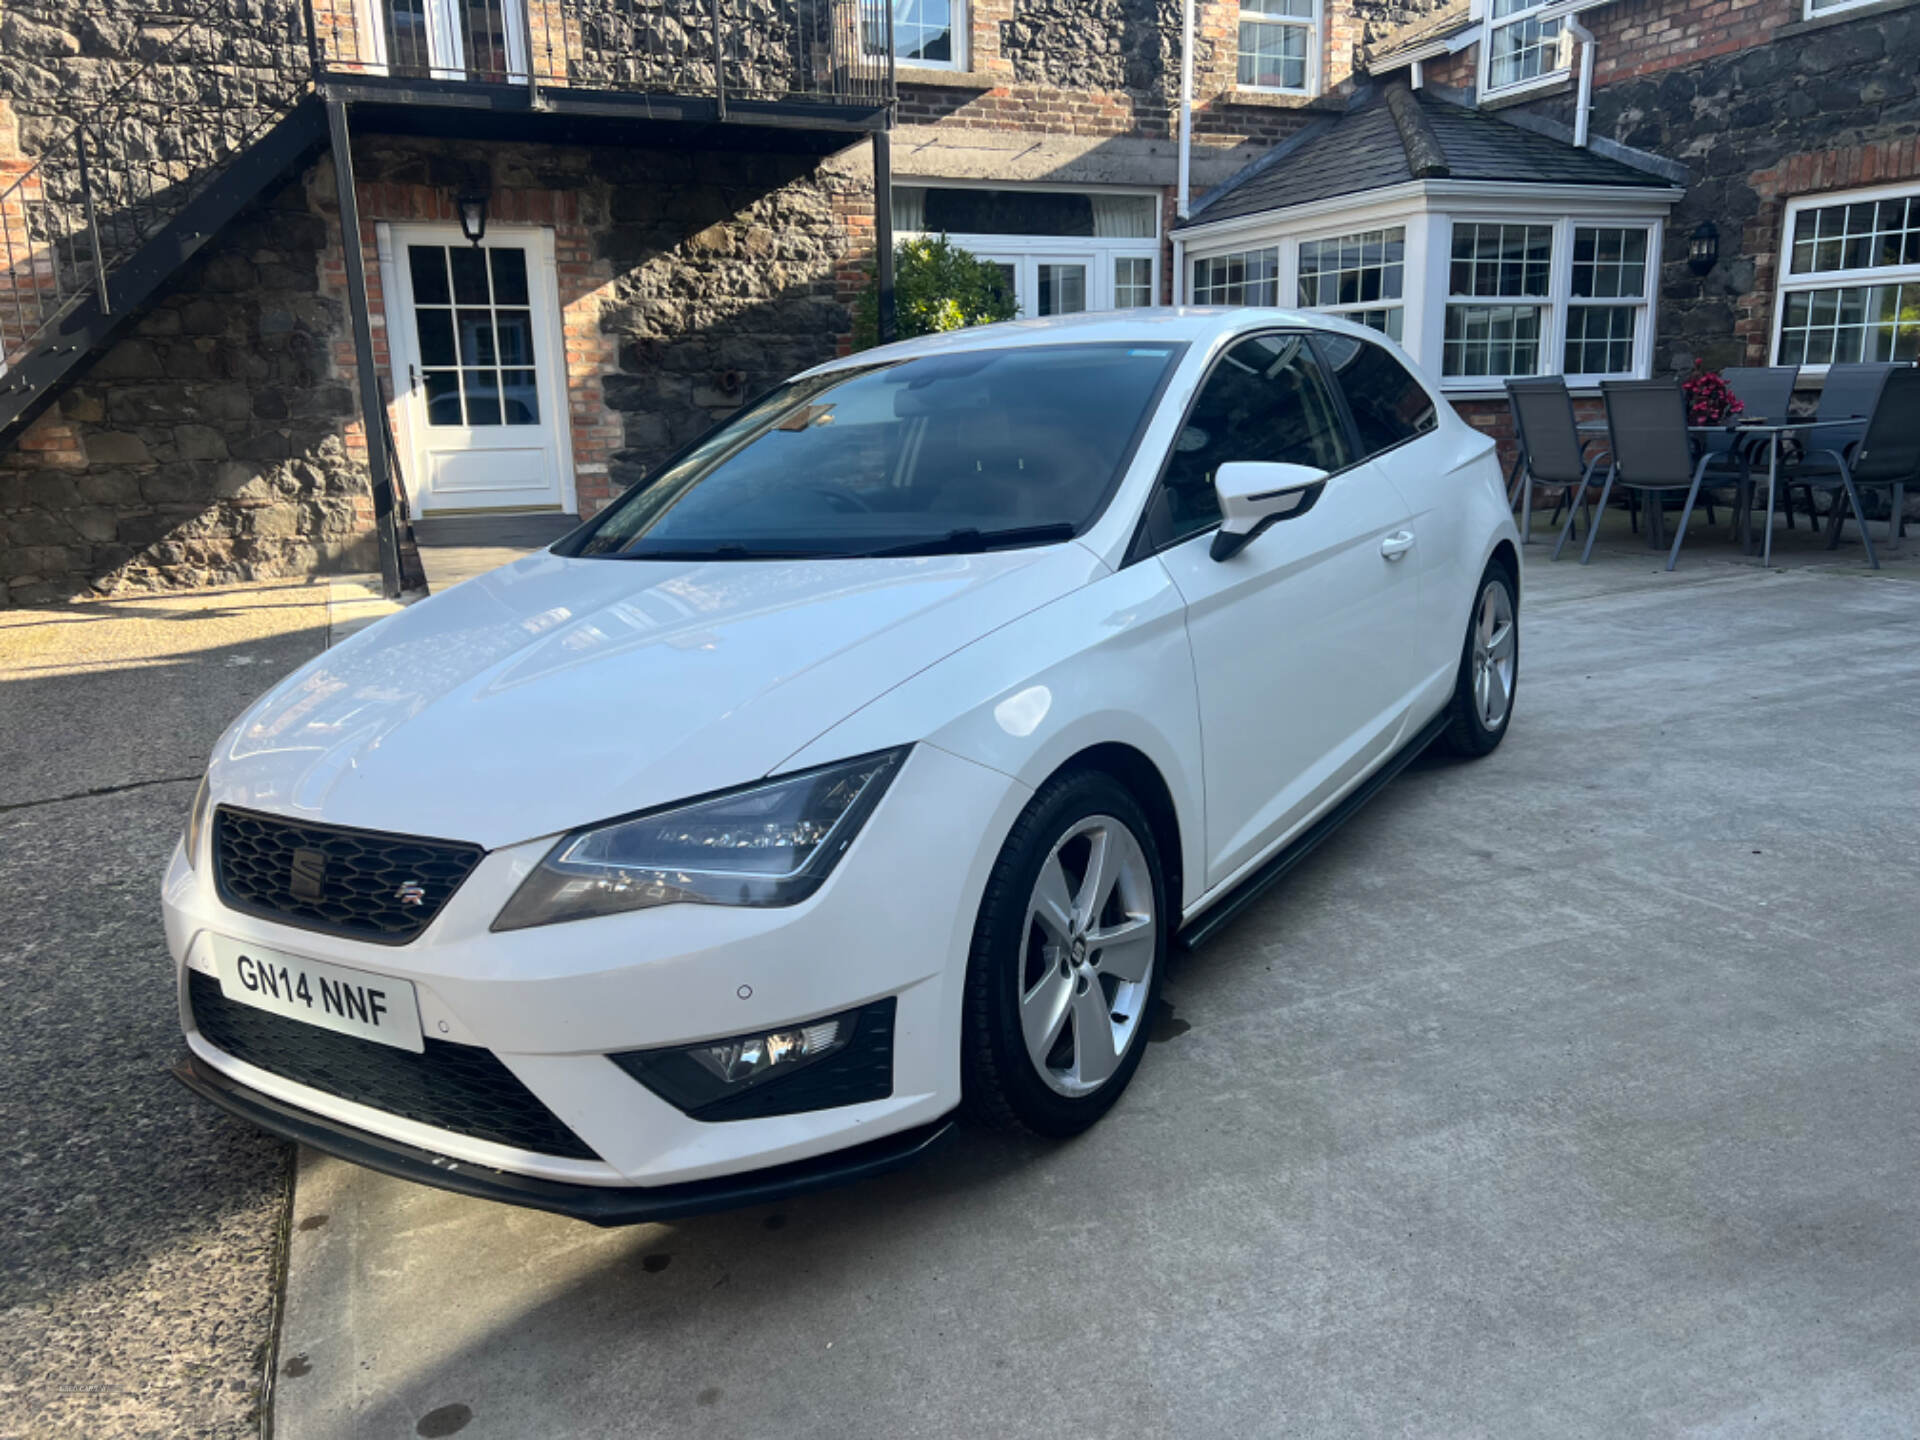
pixel 1482 704
pixel 1067 956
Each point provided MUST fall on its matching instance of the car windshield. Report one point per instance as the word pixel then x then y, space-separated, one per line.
pixel 940 454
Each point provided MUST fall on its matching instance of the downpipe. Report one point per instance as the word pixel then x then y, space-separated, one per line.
pixel 1183 204
pixel 1583 106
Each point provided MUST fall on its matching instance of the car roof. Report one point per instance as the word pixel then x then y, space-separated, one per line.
pixel 1186 323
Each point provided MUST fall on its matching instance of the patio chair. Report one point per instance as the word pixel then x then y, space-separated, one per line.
pixel 1551 450
pixel 1887 453
pixel 1765 392
pixel 1652 452
pixel 1846 398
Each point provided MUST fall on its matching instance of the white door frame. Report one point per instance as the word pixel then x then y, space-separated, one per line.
pixel 543 296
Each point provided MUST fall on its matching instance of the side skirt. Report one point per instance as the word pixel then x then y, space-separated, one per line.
pixel 1225 910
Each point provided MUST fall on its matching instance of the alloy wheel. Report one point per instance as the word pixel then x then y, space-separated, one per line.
pixel 1087 957
pixel 1494 646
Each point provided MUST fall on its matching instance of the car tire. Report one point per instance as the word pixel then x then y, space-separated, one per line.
pixel 1482 704
pixel 1095 967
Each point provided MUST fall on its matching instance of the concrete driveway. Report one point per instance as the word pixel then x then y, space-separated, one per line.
pixel 139 1234
pixel 1568 1093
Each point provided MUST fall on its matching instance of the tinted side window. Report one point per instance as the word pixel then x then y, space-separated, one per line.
pixel 1388 405
pixel 1267 399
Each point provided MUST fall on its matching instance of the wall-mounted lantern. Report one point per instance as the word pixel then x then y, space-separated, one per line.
pixel 1703 247
pixel 472 205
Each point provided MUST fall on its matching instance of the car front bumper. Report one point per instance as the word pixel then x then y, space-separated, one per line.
pixel 550 1004
pixel 596 1204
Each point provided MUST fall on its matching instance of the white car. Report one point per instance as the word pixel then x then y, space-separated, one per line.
pixel 857 771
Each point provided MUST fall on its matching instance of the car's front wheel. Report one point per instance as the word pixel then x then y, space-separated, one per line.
pixel 1067 956
pixel 1482 703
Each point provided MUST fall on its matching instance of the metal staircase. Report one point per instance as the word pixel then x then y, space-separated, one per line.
pixel 90 229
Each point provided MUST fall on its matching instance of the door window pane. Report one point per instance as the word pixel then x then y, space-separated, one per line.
pixel 483 396
pixel 475 336
pixel 515 329
pixel 1388 405
pixel 469 266
pixel 1266 400
pixel 406 22
pixel 509 275
pixel 436 336
pixel 1132 282
pixel 1063 289
pixel 427 265
pixel 443 397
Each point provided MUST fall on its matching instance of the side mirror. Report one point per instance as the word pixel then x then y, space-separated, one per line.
pixel 1255 493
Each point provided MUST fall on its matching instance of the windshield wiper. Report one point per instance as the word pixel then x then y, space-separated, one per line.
pixel 970 540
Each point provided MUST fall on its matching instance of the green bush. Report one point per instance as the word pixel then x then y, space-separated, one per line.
pixel 936 286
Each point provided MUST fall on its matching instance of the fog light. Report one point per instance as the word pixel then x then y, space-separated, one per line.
pixel 843 1059
pixel 738 1062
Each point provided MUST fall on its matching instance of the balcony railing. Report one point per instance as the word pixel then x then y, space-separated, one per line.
pixel 834 52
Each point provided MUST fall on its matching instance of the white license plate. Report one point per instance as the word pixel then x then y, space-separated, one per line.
pixel 353 1002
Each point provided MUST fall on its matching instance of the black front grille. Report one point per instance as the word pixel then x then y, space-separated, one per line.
pixel 385 888
pixel 462 1088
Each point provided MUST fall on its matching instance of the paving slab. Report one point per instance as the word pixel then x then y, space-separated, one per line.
pixel 1566 1093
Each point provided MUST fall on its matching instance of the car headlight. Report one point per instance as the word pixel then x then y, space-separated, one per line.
pixel 196 824
pixel 772 843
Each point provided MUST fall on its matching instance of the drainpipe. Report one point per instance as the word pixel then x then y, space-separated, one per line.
pixel 1585 103
pixel 1179 271
pixel 1186 106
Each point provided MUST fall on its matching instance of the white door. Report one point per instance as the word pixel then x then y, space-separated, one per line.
pixel 479 371
pixel 1306 643
pixel 451 39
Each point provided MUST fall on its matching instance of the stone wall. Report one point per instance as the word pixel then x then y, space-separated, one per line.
pixel 205 447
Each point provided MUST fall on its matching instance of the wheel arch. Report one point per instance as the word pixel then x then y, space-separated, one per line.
pixel 1143 780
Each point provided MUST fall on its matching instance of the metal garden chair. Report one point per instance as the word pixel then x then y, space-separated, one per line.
pixel 1652 452
pixel 1887 453
pixel 1551 450
pixel 1846 398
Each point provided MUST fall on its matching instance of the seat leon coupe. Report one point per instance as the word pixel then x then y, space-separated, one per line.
pixel 856 770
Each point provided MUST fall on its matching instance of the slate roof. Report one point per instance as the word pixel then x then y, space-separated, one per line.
pixel 1367 148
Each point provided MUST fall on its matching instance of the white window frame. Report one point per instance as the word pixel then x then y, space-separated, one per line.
pixel 1025 252
pixel 960 15
pixel 1786 283
pixel 1290 297
pixel 1491 26
pixel 1811 11
pixel 1427 210
pixel 1559 298
pixel 1313 28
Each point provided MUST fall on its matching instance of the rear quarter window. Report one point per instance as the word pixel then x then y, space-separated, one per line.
pixel 1389 407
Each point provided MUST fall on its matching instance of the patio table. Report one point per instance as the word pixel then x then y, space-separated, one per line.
pixel 1774 431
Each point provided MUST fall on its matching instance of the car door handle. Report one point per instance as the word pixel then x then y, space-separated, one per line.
pixel 1396 544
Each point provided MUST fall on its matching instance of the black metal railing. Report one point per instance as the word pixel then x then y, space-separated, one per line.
pixel 103 185
pixel 828 51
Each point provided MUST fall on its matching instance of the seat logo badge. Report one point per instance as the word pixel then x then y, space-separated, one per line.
pixel 411 893
pixel 309 875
